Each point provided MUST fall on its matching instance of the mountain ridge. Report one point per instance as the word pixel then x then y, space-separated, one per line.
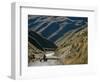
pixel 54 27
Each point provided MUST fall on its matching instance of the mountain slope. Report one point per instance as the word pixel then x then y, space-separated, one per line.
pixel 54 27
pixel 73 50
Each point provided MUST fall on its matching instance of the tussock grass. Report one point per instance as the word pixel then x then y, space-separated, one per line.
pixel 74 50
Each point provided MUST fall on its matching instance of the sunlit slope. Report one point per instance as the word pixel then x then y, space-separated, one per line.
pixel 73 47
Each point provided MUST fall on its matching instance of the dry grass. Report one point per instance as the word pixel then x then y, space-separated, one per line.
pixel 73 50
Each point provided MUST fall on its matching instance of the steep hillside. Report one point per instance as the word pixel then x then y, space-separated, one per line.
pixel 73 48
pixel 34 53
pixel 54 27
